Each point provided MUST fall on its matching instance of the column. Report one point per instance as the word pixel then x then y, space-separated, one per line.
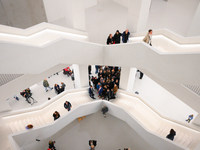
pixel 138 11
pixel 127 78
pixel 131 79
pixel 81 76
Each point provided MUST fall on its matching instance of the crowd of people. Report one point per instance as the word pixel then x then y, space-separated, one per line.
pixel 116 39
pixel 106 83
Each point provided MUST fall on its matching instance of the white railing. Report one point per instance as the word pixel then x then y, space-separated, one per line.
pixel 42 133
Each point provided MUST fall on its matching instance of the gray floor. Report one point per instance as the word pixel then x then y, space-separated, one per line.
pixel 110 133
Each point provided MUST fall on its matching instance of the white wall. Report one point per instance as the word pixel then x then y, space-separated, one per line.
pixel 22 13
pixel 162 101
pixel 122 2
pixel 174 15
pixel 194 29
pixel 68 13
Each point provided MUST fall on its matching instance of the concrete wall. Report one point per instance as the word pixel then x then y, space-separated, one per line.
pixel 22 13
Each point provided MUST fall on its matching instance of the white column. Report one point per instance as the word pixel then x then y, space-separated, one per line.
pixel 127 78
pixel 138 11
pixel 131 79
pixel 81 75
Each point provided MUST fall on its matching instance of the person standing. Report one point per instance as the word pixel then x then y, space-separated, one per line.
pixel 117 37
pixel 96 69
pixel 62 87
pixel 67 105
pixel 92 144
pixel 51 145
pixel 57 88
pixel 89 69
pixel 56 115
pixel 190 118
pixel 125 36
pixel 104 110
pixel 109 39
pixel 148 38
pixel 100 91
pixel 91 92
pixel 46 85
pixel 115 89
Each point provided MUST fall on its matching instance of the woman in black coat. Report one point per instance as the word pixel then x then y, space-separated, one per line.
pixel 171 134
pixel 117 37
pixel 110 39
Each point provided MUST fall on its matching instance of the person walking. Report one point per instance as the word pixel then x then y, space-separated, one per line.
pixel 190 118
pixel 46 85
pixel 148 38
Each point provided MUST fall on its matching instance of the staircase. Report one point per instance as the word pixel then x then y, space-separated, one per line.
pixel 20 125
pixel 154 123
pixel 47 117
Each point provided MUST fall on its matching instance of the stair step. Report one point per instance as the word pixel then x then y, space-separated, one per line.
pixel 17 126
pixel 41 120
pixel 37 121
pixel 184 138
pixel 33 122
pixel 12 127
pixel 29 121
pixel 188 141
pixel 178 136
pixel 21 125
pixel 24 122
pixel 164 131
pixel 160 129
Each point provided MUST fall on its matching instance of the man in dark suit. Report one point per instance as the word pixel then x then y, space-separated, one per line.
pixel 67 105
